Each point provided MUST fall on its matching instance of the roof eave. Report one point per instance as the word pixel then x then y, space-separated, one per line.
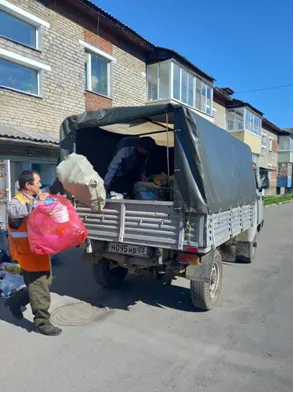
pixel 242 104
pixel 270 126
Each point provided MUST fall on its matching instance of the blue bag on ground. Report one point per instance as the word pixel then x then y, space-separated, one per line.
pixel 10 283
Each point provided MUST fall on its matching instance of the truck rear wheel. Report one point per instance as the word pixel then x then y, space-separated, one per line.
pixel 205 295
pixel 107 276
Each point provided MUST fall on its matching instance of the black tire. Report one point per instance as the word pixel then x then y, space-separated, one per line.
pixel 107 277
pixel 205 295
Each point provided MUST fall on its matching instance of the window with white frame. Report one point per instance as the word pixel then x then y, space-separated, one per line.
pixel 169 80
pixel 18 77
pixel 21 26
pixel 252 122
pixel 18 30
pixel 97 74
pixel 263 151
pixel 271 143
pixel 20 73
pixel 98 67
pixel 235 119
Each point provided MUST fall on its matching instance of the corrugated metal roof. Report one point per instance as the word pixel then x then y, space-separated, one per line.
pixel 92 5
pixel 27 135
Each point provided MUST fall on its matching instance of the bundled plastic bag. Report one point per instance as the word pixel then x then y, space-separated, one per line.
pixel 10 283
pixel 55 226
pixel 146 191
pixel 78 178
pixel 10 267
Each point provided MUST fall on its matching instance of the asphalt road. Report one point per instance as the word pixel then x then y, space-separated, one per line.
pixel 144 337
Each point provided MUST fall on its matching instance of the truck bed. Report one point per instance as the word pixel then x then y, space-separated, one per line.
pixel 157 224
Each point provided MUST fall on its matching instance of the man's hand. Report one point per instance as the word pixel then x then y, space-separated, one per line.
pixel 144 178
pixel 43 196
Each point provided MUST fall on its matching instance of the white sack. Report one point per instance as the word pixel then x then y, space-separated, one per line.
pixel 79 178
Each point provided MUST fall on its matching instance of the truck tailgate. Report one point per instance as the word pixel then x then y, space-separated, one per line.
pixel 153 223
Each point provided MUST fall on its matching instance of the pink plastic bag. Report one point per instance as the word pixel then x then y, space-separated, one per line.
pixel 54 226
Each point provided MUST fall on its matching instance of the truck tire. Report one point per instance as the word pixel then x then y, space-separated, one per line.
pixel 107 277
pixel 205 295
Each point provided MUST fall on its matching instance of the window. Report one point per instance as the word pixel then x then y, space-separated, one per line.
pixel 285 143
pixel 186 86
pixel 20 26
pixel 18 77
pixel 152 81
pixel 98 70
pixel 263 151
pixel 17 30
pixel 205 97
pixel 21 73
pixel 164 73
pixel 252 122
pixel 264 140
pixel 176 82
pixel 270 144
pixel 97 74
pixel 190 99
pixel 235 119
pixel 187 93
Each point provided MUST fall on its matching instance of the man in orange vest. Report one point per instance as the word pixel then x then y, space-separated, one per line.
pixel 36 269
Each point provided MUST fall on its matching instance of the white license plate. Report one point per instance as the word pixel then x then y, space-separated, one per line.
pixel 128 249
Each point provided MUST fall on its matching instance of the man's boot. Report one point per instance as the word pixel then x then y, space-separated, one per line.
pixel 16 301
pixel 48 329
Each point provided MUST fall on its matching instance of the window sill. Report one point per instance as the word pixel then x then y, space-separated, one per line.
pixel 21 44
pixel 21 92
pixel 98 94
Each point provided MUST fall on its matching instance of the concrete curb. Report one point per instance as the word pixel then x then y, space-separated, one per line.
pixel 277 204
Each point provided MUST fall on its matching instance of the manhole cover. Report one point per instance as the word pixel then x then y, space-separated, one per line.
pixel 77 314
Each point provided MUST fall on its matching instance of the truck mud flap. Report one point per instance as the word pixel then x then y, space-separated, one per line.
pixel 202 271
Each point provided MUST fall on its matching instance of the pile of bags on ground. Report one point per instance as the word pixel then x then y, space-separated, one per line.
pixel 10 278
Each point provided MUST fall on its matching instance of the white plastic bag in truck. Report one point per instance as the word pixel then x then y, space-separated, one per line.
pixel 79 178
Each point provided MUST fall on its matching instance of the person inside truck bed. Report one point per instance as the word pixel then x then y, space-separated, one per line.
pixel 128 164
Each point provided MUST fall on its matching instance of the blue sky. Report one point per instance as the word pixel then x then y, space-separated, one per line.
pixel 243 44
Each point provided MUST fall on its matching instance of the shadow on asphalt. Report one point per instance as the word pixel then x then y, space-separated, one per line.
pixel 6 316
pixel 74 278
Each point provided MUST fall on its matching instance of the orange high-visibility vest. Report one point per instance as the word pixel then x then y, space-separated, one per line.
pixel 20 248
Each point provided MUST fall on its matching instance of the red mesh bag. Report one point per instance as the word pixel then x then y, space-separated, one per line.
pixel 54 226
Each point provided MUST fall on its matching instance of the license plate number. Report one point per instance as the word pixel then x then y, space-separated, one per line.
pixel 128 249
